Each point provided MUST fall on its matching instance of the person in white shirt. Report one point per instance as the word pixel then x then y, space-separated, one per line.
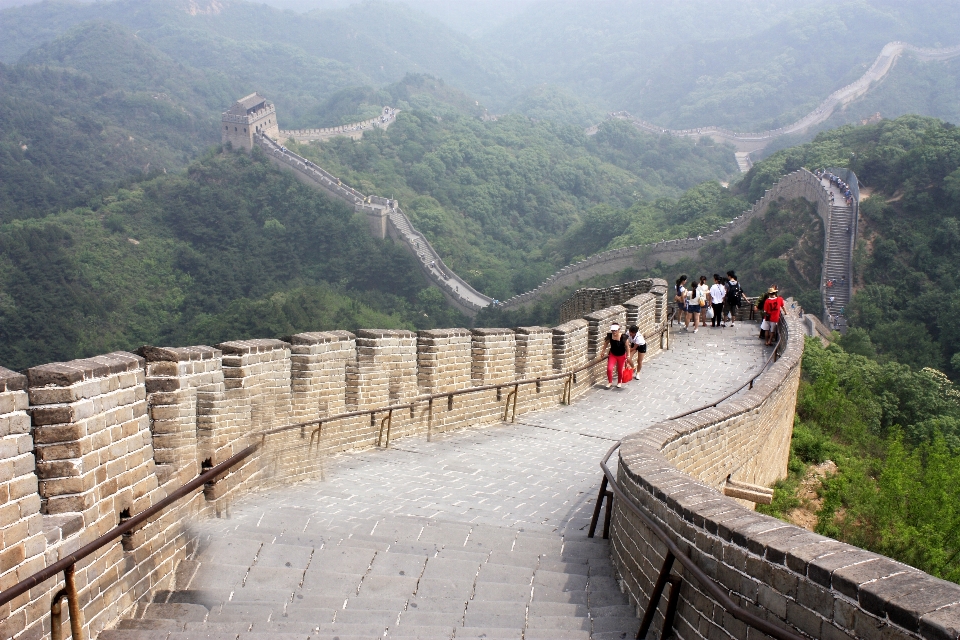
pixel 717 293
pixel 638 347
pixel 703 297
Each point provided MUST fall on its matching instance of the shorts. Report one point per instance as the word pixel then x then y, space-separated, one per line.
pixel 693 308
pixel 640 348
pixel 768 325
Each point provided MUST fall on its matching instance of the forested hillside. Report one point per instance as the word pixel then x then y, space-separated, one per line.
pixel 747 65
pixel 508 202
pixel 232 248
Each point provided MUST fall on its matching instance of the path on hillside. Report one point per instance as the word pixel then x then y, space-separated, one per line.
pixel 754 141
pixel 480 533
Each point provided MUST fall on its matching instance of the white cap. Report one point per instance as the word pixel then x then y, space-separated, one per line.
pixel 615 326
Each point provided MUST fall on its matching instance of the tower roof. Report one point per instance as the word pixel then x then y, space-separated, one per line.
pixel 248 104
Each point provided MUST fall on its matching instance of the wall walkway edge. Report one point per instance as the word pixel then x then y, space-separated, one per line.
pixel 794 578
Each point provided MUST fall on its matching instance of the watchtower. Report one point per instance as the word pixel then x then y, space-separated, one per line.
pixel 249 116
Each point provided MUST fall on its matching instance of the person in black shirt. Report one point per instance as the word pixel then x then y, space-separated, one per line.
pixel 615 348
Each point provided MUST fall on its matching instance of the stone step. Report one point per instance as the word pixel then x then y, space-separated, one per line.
pixel 489 633
pixel 558 622
pixel 132 634
pixel 150 624
pixel 417 618
pixel 422 633
pixel 182 612
pixel 630 625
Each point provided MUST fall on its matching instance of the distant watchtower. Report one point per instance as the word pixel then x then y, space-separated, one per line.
pixel 249 116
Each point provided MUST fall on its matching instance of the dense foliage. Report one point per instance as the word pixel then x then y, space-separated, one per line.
pixel 65 136
pixel 906 304
pixel 495 197
pixel 894 434
pixel 230 249
pixel 783 248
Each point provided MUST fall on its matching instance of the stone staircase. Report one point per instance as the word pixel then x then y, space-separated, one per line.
pixel 837 261
pixel 404 577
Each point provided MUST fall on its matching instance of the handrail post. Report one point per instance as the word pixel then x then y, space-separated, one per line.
pixel 56 615
pixel 76 615
pixel 655 595
pixel 429 418
pixel 389 419
pixel 516 392
pixel 601 496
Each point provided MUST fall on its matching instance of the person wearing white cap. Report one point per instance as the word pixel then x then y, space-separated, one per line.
pixel 615 348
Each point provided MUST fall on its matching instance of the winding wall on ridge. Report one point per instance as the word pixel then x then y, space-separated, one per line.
pixel 799 184
pixel 754 141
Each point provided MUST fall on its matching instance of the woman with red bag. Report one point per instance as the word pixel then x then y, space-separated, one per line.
pixel 615 348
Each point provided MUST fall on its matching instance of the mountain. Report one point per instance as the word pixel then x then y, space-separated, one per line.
pixel 495 197
pixel 231 248
pixel 747 65
pixel 297 59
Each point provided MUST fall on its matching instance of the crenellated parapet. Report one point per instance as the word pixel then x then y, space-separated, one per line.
pixel 87 444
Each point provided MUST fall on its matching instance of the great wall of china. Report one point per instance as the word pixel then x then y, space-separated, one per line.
pixel 747 142
pixel 89 444
pixel 387 219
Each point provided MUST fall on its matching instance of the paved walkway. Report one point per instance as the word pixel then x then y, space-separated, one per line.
pixel 478 534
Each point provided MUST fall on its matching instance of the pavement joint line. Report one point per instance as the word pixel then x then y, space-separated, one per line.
pixel 578 433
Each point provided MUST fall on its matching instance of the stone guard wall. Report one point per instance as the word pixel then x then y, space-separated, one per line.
pixel 792 577
pixel 86 443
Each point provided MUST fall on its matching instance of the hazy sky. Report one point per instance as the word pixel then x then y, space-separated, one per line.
pixel 472 17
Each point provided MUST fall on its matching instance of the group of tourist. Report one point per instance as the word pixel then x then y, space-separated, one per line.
pixel 699 302
pixel 837 182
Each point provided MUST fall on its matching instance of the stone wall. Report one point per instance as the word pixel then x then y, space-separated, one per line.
pixel 791 577
pixel 87 443
pixel 799 184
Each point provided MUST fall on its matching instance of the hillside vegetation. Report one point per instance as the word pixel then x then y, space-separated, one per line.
pixel 905 307
pixel 893 434
pixel 508 202
pixel 232 248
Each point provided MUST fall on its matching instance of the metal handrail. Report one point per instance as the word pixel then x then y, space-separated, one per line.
pixel 446 394
pixel 674 551
pixel 67 563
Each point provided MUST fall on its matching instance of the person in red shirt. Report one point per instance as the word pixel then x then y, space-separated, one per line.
pixel 771 310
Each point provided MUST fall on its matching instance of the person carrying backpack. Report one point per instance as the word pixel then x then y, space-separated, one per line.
pixel 733 299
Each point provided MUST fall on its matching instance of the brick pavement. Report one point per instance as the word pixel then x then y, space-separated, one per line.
pixel 480 533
